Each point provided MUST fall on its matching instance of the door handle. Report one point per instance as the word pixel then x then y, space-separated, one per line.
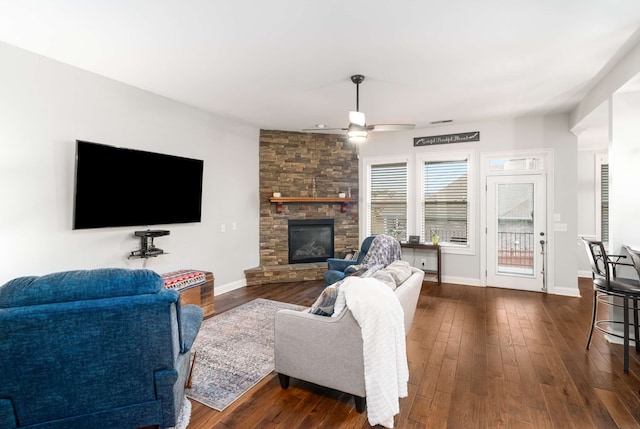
pixel 544 275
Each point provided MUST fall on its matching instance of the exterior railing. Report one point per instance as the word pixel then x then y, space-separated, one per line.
pixel 515 249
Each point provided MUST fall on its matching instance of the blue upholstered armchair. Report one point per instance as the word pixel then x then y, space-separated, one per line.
pixel 106 348
pixel 336 267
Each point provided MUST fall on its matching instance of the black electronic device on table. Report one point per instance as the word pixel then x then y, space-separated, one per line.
pixel 147 248
pixel 152 233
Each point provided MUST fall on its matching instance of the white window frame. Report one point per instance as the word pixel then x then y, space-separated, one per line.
pixel 470 247
pixel 365 202
pixel 600 159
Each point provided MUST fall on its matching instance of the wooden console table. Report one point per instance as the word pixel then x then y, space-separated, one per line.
pixel 434 247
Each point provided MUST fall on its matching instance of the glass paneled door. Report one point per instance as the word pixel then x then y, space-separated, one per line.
pixel 516 220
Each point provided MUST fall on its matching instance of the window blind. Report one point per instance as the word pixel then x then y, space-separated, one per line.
pixel 387 212
pixel 445 201
pixel 604 202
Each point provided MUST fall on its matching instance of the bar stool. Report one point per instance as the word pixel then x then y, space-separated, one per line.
pixel 605 286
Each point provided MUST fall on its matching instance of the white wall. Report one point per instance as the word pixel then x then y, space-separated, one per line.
pixel 535 132
pixel 614 79
pixel 624 159
pixel 46 105
pixel 564 143
pixel 623 108
pixel 597 111
pixel 587 204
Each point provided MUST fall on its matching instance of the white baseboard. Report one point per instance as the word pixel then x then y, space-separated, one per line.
pixel 584 273
pixel 218 290
pixel 567 291
pixel 461 281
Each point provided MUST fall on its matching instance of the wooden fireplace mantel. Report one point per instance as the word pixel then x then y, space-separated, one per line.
pixel 323 200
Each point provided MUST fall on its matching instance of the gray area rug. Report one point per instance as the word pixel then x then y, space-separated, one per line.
pixel 235 352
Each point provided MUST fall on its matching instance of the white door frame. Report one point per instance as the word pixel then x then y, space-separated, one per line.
pixel 547 167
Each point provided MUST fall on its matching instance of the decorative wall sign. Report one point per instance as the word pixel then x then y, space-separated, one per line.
pixel 447 138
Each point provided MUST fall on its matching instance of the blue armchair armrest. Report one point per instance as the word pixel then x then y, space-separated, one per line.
pixel 340 264
pixel 191 319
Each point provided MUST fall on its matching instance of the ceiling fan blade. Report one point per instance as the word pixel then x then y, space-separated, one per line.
pixel 319 130
pixel 391 127
pixel 356 118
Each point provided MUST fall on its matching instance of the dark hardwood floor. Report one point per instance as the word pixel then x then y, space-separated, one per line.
pixel 478 358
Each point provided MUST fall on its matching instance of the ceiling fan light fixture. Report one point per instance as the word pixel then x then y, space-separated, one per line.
pixel 357 118
pixel 357 133
pixel 358 130
pixel 357 136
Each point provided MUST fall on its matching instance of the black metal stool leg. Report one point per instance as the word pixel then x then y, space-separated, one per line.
pixel 593 317
pixel 625 307
pixel 636 338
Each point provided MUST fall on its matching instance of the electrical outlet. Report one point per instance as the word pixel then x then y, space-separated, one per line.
pixel 223 228
pixel 560 227
pixel 234 226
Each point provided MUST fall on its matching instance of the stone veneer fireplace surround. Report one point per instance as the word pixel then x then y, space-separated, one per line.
pixel 289 161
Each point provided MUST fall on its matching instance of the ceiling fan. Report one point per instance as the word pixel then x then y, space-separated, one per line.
pixel 358 130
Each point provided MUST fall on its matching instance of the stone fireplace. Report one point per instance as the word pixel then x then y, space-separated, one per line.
pixel 310 240
pixel 291 163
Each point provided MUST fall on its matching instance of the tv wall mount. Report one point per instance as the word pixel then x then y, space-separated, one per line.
pixel 147 248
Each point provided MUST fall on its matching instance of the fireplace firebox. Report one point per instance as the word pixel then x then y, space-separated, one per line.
pixel 310 240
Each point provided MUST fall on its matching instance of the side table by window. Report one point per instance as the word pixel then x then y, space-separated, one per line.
pixel 429 247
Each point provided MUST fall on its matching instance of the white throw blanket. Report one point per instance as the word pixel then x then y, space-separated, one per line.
pixel 386 373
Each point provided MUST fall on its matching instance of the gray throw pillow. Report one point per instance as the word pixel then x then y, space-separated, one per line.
pixel 385 278
pixel 326 301
pixel 399 270
pixel 372 270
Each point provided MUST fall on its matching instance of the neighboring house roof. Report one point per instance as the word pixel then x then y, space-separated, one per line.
pixel 514 204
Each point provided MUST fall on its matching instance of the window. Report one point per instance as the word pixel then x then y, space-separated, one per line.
pixel 604 202
pixel 445 201
pixel 420 194
pixel 602 198
pixel 387 211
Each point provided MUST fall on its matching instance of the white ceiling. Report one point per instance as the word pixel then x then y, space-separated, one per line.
pixel 285 64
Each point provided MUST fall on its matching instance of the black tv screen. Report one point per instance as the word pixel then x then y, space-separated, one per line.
pixel 125 187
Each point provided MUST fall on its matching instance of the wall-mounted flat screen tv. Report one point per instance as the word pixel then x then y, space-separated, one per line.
pixel 125 187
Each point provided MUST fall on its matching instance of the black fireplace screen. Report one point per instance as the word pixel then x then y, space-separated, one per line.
pixel 310 240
